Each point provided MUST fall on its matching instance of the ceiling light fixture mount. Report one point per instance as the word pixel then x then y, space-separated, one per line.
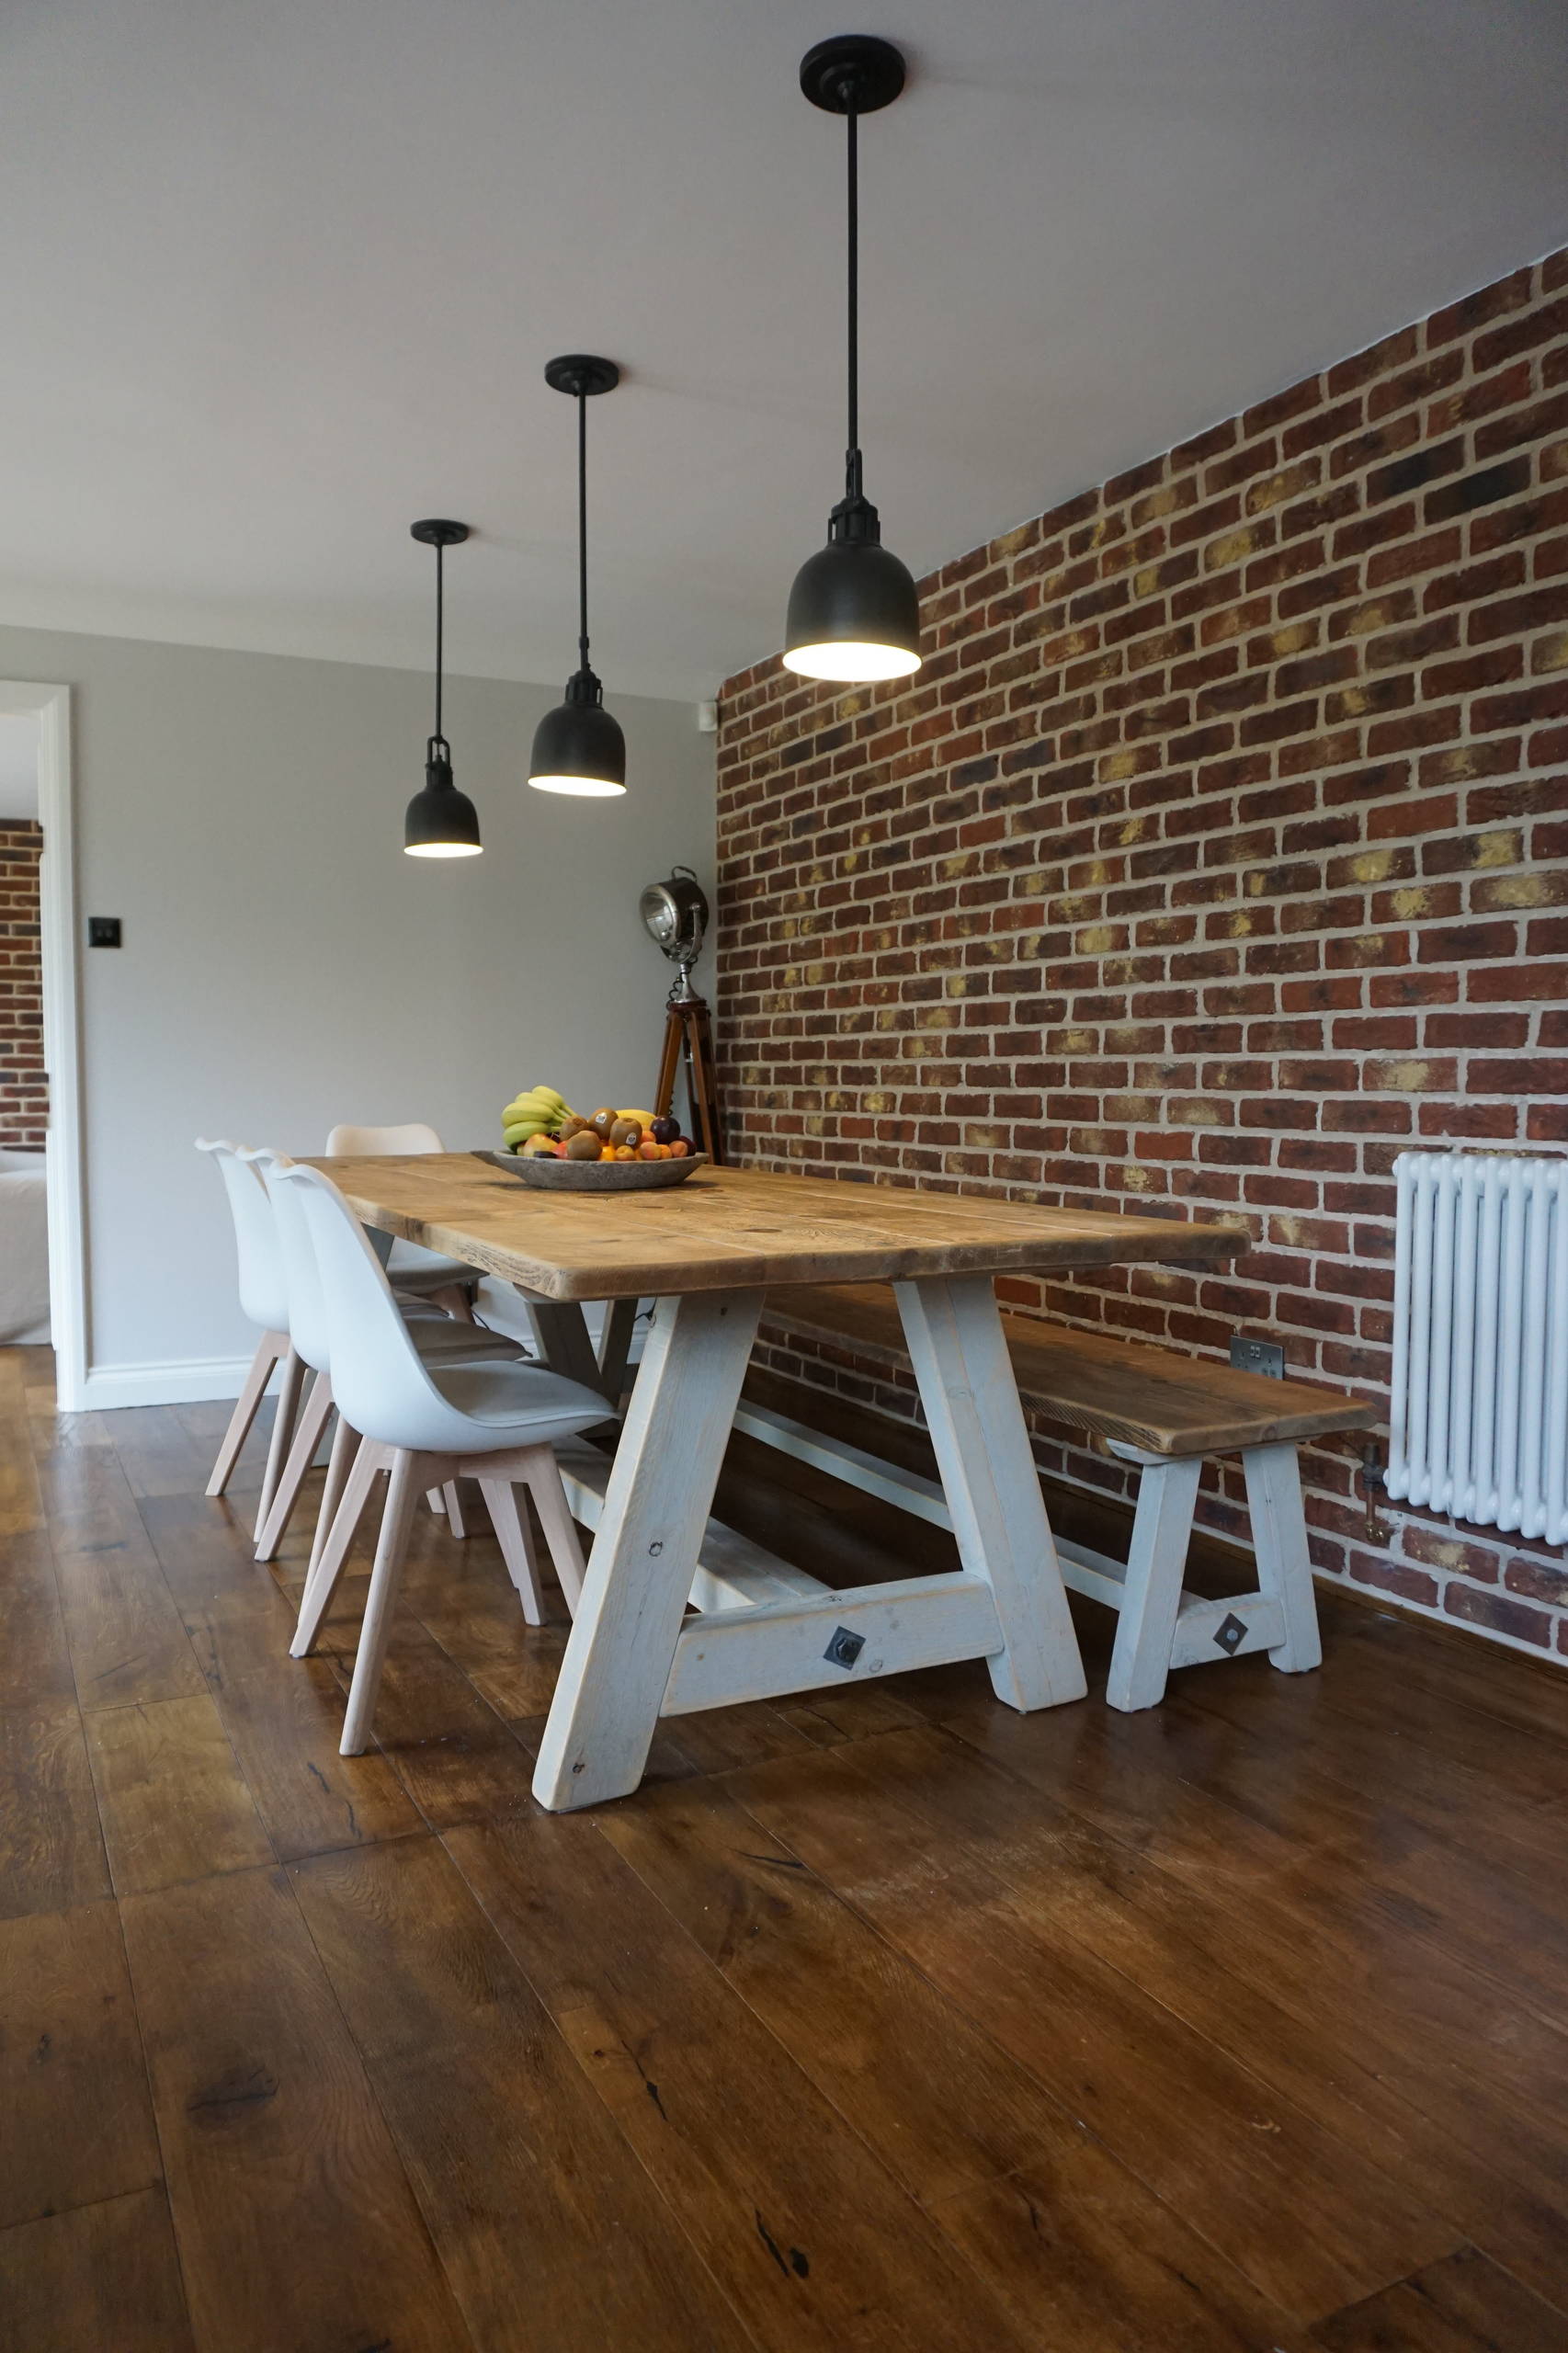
pixel 441 822
pixel 853 615
pixel 579 747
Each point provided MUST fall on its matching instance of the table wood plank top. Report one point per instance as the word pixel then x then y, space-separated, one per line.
pixel 736 1229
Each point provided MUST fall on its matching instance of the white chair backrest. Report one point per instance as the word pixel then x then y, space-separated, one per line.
pixel 395 1143
pixel 379 1383
pixel 307 1326
pixel 264 1294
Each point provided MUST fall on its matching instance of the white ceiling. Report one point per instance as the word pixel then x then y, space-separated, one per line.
pixel 18 766
pixel 277 277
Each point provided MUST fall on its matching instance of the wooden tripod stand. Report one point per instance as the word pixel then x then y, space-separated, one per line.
pixel 688 1037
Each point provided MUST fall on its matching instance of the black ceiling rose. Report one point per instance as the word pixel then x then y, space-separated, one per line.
pixel 854 613
pixel 440 821
pixel 578 747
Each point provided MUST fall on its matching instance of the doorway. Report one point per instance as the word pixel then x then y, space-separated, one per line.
pixel 42 1287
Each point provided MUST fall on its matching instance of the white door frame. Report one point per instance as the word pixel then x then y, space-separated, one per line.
pixel 51 705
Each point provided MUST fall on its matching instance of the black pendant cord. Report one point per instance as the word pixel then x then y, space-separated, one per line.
pixel 440 617
pixel 852 451
pixel 583 529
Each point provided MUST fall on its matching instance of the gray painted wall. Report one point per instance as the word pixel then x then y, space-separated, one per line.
pixel 285 965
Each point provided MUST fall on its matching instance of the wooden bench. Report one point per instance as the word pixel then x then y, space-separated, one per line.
pixel 1162 1412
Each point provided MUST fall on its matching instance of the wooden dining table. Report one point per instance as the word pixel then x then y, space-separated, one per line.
pixel 707 1251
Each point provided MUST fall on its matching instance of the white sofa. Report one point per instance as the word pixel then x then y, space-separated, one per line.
pixel 24 1249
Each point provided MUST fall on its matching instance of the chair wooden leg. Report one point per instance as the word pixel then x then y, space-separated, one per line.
pixel 457 1300
pixel 385 1578
pixel 288 1388
pixel 270 1347
pixel 454 1520
pixel 560 1530
pixel 301 1454
pixel 513 1535
pixel 1279 1546
pixel 436 1499
pixel 1162 1529
pixel 344 1441
pixel 321 1583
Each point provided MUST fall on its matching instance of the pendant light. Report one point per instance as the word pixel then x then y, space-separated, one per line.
pixel 578 746
pixel 853 615
pixel 441 821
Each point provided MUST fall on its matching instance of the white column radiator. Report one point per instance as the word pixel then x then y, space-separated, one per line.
pixel 1479 1417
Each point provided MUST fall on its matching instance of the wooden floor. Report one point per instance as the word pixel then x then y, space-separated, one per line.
pixel 888 2019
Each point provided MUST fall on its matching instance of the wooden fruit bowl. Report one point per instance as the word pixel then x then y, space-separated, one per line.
pixel 553 1175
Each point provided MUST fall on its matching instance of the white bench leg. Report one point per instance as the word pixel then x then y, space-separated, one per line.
pixel 1151 1594
pixel 1279 1543
pixel 953 1330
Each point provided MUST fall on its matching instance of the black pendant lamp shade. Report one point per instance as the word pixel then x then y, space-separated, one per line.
pixel 578 747
pixel 853 615
pixel 441 821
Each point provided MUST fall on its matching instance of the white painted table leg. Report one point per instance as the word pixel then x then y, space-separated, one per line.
pixel 1162 1529
pixel 976 1421
pixel 639 1572
pixel 1279 1546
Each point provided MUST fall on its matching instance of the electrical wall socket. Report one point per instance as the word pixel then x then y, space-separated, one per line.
pixel 1257 1355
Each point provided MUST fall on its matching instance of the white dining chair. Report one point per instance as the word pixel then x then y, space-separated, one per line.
pixel 409 1265
pixel 438 1339
pixel 264 1299
pixel 421 1424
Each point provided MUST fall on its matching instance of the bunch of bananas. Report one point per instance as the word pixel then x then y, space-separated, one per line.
pixel 539 1112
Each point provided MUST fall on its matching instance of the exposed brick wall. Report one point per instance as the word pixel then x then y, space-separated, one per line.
pixel 1218 853
pixel 24 1102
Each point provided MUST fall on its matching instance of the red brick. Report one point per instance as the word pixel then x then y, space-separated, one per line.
pixel 1141 864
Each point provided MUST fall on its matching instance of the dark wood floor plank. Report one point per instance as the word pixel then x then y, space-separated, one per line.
pixel 296 2224
pixel 1083 2253
pixel 52 1849
pixel 98 2279
pixel 455 1758
pixel 938 2102
pixel 550 2230
pixel 285 1721
pixel 127 1641
pixel 21 1506
pixel 1090 2261
pixel 1465 2304
pixel 891 1824
pixel 174 1802
pixel 35 1654
pixel 812 2239
pixel 158 1454
pixel 77 2124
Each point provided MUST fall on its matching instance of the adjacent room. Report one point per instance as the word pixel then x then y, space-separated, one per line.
pixel 784 1178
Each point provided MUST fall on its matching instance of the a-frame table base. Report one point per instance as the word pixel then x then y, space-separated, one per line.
pixel 634 1652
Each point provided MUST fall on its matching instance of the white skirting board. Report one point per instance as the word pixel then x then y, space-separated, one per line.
pixel 198 1381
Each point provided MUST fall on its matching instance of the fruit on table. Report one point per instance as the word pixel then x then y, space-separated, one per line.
pixel 541 1123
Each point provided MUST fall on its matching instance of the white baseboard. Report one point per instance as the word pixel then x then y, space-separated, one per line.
pixel 195 1383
